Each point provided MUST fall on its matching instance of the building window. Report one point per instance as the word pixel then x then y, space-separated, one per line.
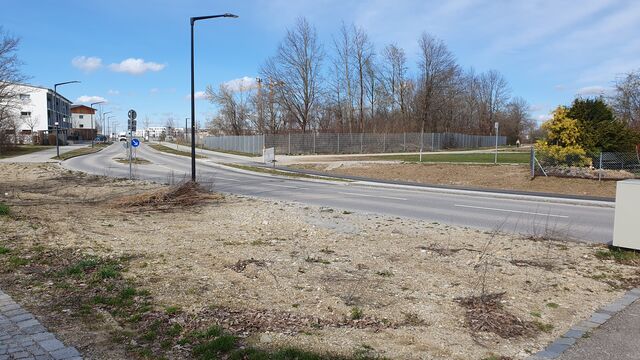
pixel 81 125
pixel 25 113
pixel 81 116
pixel 25 97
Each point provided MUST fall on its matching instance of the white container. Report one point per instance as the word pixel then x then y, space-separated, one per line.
pixel 626 228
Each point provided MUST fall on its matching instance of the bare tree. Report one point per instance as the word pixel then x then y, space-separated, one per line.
pixel 10 75
pixel 494 94
pixel 362 52
pixel 516 120
pixel 394 75
pixel 31 122
pixel 626 99
pixel 234 113
pixel 297 66
pixel 343 61
pixel 437 67
pixel 170 124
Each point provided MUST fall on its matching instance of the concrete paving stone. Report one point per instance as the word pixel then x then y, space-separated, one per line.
pixel 8 307
pixel 12 350
pixel 42 336
pixel 21 355
pixel 35 329
pixel 557 347
pixel 21 317
pixel 44 357
pixel 575 334
pixel 65 353
pixel 614 307
pixel 628 299
pixel 51 344
pixel 35 350
pixel 15 312
pixel 566 341
pixel 4 357
pixel 635 291
pixel 588 325
pixel 28 323
pixel 599 318
pixel 545 355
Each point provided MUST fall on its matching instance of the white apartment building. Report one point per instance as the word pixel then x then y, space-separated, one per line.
pixel 38 107
pixel 83 117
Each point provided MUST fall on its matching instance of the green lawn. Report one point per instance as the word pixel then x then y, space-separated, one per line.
pixel 483 158
pixel 232 152
pixel 170 150
pixel 80 152
pixel 22 150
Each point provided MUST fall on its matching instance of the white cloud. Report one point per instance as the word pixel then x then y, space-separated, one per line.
pixel 595 90
pixel 87 64
pixel 89 99
pixel 154 91
pixel 113 92
pixel 199 95
pixel 544 117
pixel 244 83
pixel 136 66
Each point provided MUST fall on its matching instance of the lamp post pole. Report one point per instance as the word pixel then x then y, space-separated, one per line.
pixel 55 106
pixel 193 103
pixel 93 110
pixel 104 128
pixel 57 146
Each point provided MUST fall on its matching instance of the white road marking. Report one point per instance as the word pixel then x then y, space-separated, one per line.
pixel 288 186
pixel 511 211
pixel 225 179
pixel 374 196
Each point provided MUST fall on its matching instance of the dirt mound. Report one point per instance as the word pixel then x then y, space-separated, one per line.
pixel 185 194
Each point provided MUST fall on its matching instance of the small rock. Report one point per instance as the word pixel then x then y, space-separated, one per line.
pixel 264 338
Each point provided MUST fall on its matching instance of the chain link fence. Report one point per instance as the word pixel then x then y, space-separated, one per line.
pixel 354 143
pixel 598 165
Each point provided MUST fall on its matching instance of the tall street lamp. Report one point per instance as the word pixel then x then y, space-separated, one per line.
pixel 55 104
pixel 95 103
pixel 109 124
pixel 57 146
pixel 104 128
pixel 193 100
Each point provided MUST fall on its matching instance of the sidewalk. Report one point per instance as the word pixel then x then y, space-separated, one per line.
pixel 616 339
pixel 43 155
pixel 23 337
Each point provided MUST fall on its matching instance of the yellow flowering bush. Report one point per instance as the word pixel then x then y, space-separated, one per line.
pixel 561 147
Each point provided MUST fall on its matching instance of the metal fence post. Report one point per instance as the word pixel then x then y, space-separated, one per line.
pixel 600 172
pixel 338 143
pixel 384 142
pixel 289 144
pixel 433 138
pixel 314 142
pixel 404 142
pixel 361 136
pixel 532 162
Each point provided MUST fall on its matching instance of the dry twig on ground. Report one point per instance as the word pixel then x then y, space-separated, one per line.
pixel 185 194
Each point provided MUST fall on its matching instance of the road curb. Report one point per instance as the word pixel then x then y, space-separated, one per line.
pixel 597 319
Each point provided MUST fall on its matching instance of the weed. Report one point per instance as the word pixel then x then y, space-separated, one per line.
pixel 326 250
pixel 547 328
pixel 313 259
pixel 4 209
pixel 4 250
pixel 18 261
pixel 552 305
pixel 108 272
pixel 172 310
pixel 535 314
pixel 620 255
pixel 385 273
pixel 356 313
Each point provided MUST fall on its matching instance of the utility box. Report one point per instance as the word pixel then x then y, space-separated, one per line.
pixel 626 228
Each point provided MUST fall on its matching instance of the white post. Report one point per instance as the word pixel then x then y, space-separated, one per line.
pixel 495 160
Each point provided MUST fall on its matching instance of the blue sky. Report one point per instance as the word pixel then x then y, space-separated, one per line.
pixel 135 54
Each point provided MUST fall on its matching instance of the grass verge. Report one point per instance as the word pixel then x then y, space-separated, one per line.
pixel 282 173
pixel 173 151
pixel 620 255
pixel 475 158
pixel 135 161
pixel 22 150
pixel 81 151
pixel 232 152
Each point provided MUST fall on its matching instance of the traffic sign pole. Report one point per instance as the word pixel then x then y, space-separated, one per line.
pixel 132 127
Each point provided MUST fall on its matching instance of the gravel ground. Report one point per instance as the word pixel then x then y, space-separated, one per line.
pixel 507 177
pixel 402 274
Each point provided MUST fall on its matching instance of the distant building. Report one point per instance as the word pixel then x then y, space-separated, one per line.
pixel 40 108
pixel 156 132
pixel 82 117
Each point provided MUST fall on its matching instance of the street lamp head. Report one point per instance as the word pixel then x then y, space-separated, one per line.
pixel 66 82
pixel 227 15
pixel 230 15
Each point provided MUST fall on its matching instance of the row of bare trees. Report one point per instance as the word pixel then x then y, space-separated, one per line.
pixel 354 88
pixel 10 74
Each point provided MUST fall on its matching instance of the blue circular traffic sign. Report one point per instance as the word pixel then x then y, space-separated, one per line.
pixel 135 142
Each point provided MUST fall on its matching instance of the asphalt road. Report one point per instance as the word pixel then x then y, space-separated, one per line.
pixel 483 211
